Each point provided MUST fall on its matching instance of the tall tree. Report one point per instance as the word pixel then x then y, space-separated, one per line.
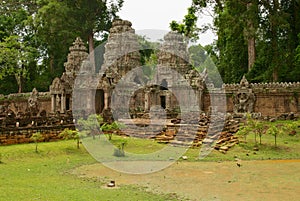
pixel 233 49
pixel 251 27
pixel 255 37
pixel 18 44
pixel 56 32
pixel 15 59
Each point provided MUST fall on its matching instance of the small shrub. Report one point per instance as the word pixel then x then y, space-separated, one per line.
pixel 292 127
pixel 71 134
pixel 91 124
pixel 36 137
pixel 276 130
pixel 258 128
pixel 111 127
pixel 119 151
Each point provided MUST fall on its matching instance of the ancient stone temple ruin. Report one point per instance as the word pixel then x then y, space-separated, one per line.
pixel 121 82
pixel 117 88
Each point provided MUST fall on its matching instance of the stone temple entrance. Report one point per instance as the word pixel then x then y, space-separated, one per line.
pixel 99 101
pixel 163 102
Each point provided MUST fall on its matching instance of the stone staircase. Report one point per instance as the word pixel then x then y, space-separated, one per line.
pixel 213 131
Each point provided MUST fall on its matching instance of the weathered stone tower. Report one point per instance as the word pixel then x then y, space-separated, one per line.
pixel 61 88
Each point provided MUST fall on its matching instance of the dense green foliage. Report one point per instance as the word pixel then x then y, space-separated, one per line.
pixel 258 38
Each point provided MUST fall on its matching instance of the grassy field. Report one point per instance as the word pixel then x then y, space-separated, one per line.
pixel 26 175
pixel 49 174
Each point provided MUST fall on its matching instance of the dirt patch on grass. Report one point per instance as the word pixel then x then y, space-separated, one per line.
pixel 254 180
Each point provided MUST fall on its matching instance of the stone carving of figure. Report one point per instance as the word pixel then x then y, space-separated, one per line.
pixel 33 104
pixel 244 99
pixel 241 103
pixel 57 102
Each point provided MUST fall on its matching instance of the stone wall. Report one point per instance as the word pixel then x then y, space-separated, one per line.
pixel 18 103
pixel 271 99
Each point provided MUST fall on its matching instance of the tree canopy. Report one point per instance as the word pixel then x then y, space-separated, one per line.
pixel 258 38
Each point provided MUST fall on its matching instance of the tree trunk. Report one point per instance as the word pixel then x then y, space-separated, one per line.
pixel 51 64
pixel 251 38
pixel 91 42
pixel 19 82
pixel 251 52
pixel 260 139
pixel 274 30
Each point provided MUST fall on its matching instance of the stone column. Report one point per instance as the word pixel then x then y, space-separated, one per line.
pixel 106 100
pixel 147 100
pixel 63 103
pixel 88 98
pixel 57 102
pixel 168 100
pixel 71 103
pixel 53 103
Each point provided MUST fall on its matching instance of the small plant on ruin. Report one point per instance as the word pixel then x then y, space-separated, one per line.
pixel 36 137
pixel 253 126
pixel 68 134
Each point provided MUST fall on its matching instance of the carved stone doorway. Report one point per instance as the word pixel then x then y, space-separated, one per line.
pixel 68 102
pixel 99 101
pixel 163 102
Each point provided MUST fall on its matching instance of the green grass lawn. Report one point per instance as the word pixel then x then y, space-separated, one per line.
pixel 26 175
pixel 46 175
